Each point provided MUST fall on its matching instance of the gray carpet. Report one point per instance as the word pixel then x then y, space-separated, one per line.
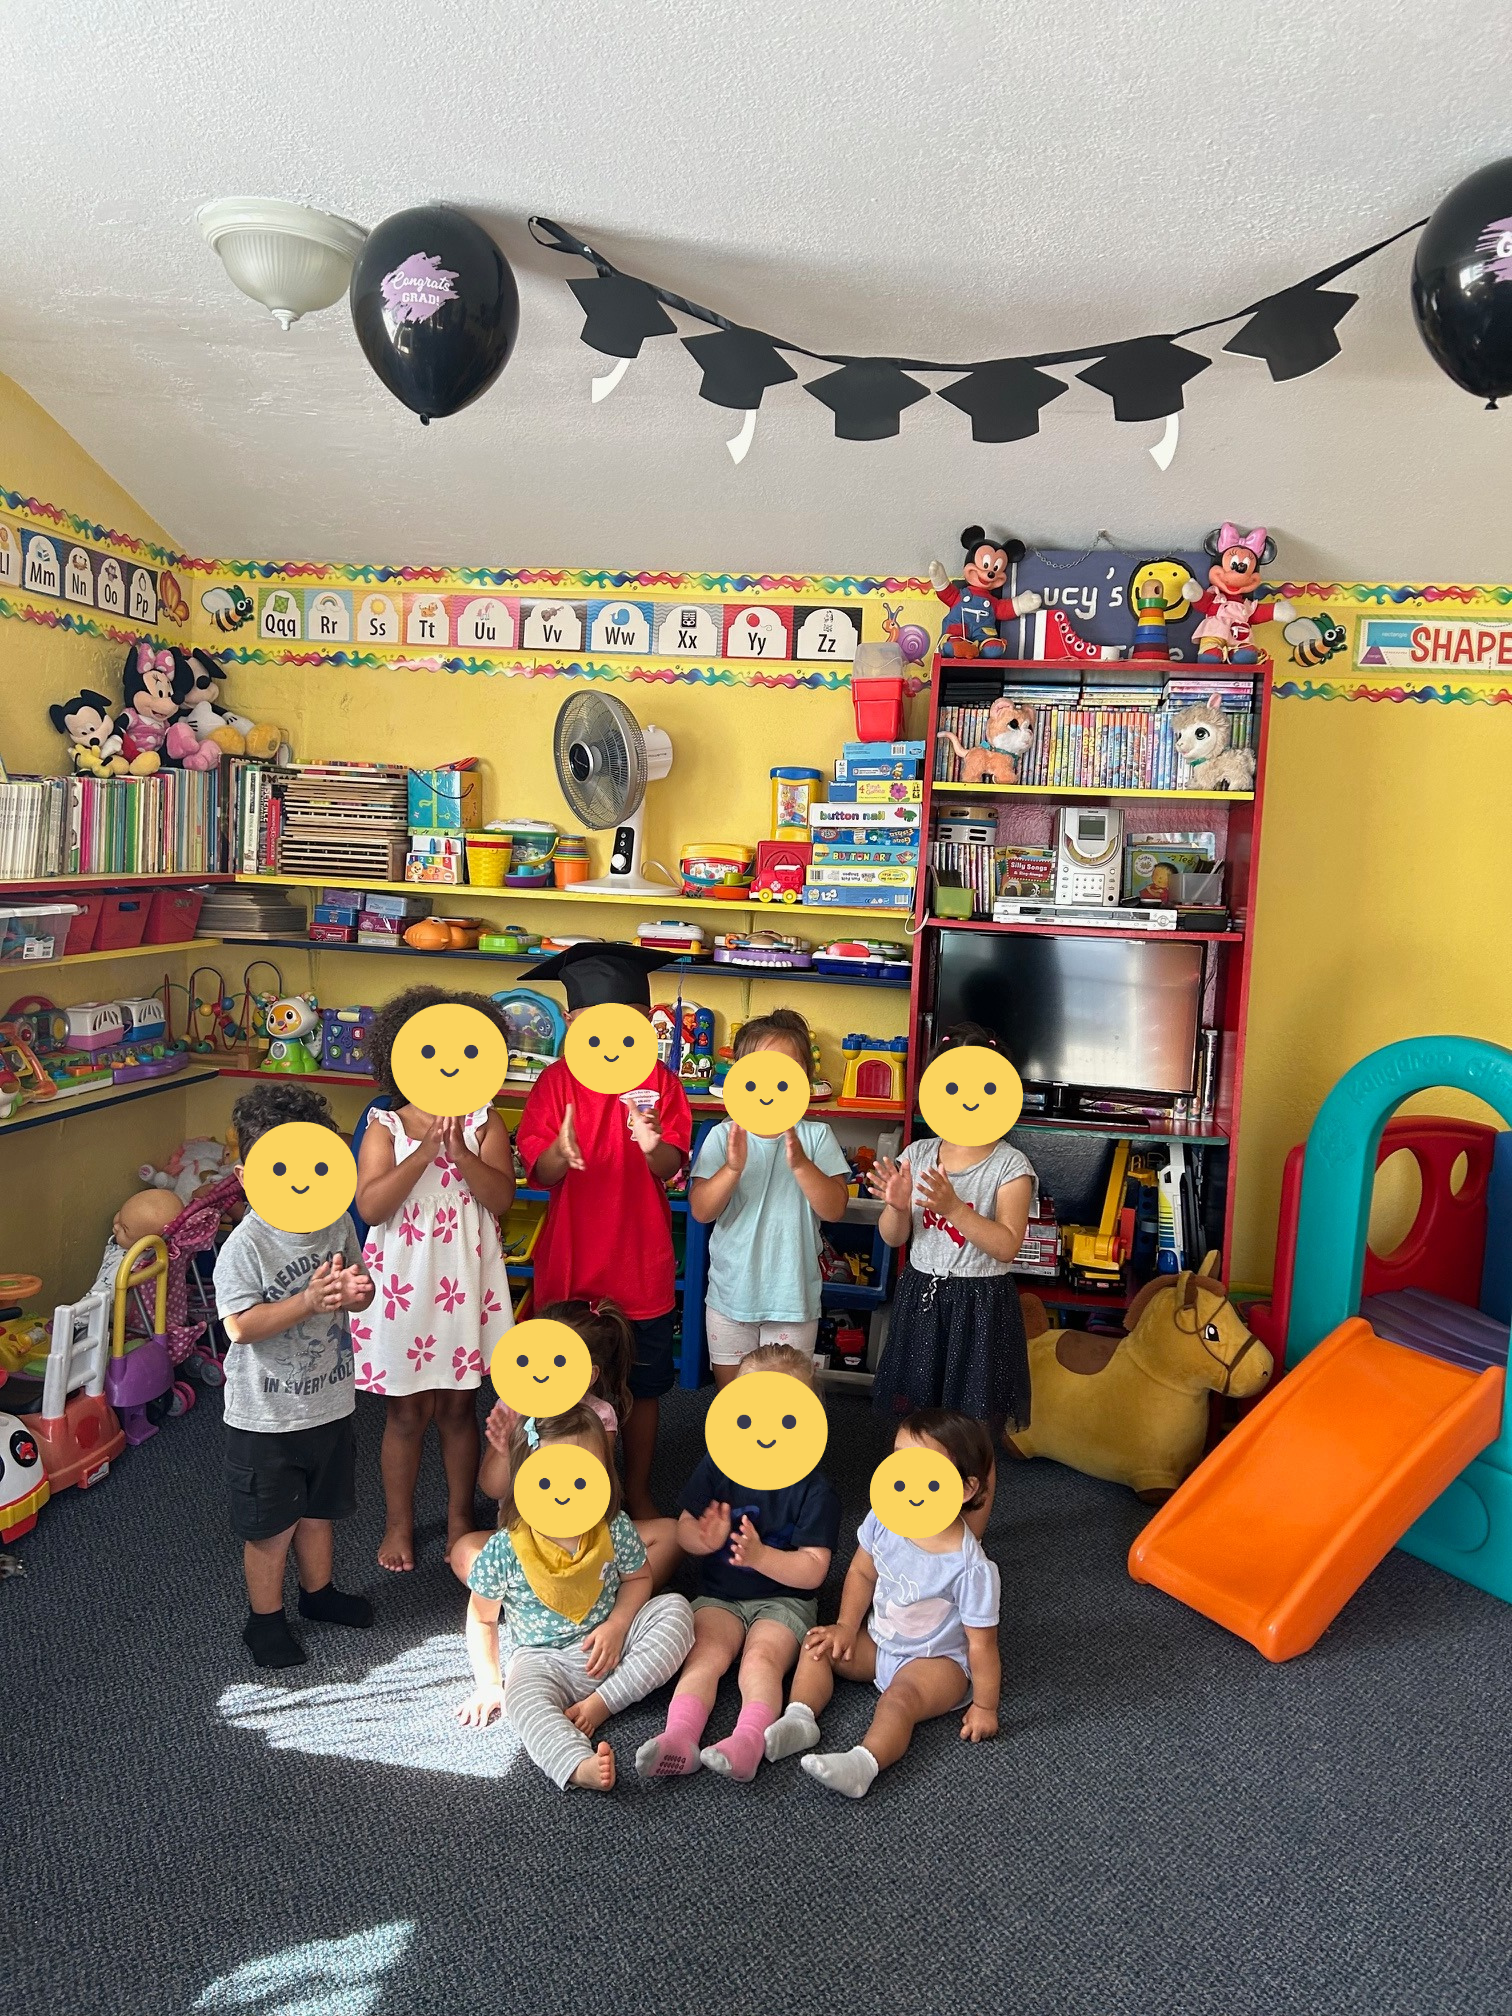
pixel 1167 1826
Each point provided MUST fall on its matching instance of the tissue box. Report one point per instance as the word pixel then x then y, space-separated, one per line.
pixel 446 801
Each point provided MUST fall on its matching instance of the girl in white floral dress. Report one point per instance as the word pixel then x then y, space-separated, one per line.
pixel 431 1190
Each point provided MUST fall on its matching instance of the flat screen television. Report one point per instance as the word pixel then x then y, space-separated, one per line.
pixel 1114 1014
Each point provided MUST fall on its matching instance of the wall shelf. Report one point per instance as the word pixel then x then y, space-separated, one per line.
pixel 1027 930
pixel 704 967
pixel 125 952
pixel 51 884
pixel 944 790
pixel 64 1107
pixel 471 892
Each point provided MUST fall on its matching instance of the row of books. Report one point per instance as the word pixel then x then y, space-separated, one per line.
pixel 166 824
pixel 1116 747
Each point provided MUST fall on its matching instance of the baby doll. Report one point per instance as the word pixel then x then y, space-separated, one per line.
pixel 144 1213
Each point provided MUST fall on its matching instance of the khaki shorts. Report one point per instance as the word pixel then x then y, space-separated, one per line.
pixel 799 1614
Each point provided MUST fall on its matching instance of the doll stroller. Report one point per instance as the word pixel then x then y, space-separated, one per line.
pixel 187 1325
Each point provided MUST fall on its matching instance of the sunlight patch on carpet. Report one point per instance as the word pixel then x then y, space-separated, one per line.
pixel 321 1977
pixel 403 1713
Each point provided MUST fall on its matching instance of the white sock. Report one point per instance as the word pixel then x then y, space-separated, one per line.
pixel 847 1771
pixel 794 1730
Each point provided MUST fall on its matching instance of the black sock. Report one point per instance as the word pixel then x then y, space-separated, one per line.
pixel 333 1606
pixel 268 1638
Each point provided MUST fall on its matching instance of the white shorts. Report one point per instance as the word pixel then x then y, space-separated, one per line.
pixel 729 1341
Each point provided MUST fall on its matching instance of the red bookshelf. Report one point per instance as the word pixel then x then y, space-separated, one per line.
pixel 1226 955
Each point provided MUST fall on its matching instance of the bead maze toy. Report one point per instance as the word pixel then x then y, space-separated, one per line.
pixel 1388 1427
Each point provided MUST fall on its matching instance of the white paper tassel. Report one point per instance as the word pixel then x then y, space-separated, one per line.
pixel 740 446
pixel 602 387
pixel 1164 450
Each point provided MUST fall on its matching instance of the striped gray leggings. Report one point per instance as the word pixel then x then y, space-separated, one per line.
pixel 541 1683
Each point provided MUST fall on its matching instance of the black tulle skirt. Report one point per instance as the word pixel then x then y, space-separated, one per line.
pixel 956 1342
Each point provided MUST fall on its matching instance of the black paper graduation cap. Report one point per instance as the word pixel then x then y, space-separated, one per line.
pixel 866 396
pixel 1144 378
pixel 1003 399
pixel 737 366
pixel 1294 331
pixel 619 313
pixel 593 974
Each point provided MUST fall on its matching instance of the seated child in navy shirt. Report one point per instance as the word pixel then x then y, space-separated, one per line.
pixel 761 1558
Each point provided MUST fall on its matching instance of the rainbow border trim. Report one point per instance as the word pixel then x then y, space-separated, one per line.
pixel 1444 695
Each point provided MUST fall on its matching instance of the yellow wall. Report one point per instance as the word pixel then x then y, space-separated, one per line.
pixel 60 1184
pixel 1387 833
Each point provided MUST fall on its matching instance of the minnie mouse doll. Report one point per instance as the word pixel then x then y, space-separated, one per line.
pixel 1227 608
pixel 156 686
pixel 979 607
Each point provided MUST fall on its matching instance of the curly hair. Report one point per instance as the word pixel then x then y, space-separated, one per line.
pixel 782 1025
pixel 606 1330
pixel 273 1104
pixel 393 1015
pixel 577 1421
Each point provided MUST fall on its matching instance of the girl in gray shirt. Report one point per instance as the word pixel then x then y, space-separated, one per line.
pixel 956 1339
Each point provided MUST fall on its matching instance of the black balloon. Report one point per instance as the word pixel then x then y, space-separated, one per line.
pixel 1462 283
pixel 435 308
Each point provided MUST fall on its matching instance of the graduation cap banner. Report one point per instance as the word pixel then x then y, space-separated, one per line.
pixel 1292 332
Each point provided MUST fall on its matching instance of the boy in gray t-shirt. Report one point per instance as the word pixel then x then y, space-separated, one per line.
pixel 290 1447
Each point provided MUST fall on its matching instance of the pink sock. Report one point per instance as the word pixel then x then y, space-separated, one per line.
pixel 675 1754
pixel 743 1749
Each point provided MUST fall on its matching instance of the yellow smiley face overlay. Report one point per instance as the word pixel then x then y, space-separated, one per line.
pixel 766 1092
pixel 561 1490
pixel 540 1367
pixel 766 1430
pixel 610 1049
pixel 299 1177
pixel 916 1492
pixel 449 1059
pixel 971 1096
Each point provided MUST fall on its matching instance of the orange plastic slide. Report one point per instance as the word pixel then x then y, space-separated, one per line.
pixel 1275 1531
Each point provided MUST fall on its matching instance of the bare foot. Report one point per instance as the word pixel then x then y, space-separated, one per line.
pixel 589 1714
pixel 596 1773
pixel 396 1550
pixel 457 1524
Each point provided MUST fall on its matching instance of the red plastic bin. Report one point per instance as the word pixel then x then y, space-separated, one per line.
pixel 172 916
pixel 82 929
pixel 879 709
pixel 123 919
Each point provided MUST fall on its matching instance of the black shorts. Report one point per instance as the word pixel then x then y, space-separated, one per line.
pixel 654 1371
pixel 274 1481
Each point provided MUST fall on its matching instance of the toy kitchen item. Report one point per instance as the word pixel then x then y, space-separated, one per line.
pixel 532 850
pixel 877 685
pixel 782 869
pixel 671 935
pixel 1088 855
pixel 570 862
pixel 536 1026
pixel 488 859
pixel 865 959
pixel 716 870
pixel 762 948
pixel 793 791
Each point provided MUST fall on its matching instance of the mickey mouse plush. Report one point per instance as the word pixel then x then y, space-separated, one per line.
pixel 156 683
pixel 88 720
pixel 231 733
pixel 979 607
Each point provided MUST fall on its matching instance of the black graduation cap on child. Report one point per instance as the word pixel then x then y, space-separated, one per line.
pixel 594 974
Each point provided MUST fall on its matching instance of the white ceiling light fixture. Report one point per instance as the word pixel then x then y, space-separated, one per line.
pixel 291 259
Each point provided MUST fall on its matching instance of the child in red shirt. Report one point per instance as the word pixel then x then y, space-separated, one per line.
pixel 607 1162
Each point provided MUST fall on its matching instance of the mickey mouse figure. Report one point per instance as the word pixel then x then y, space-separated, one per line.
pixel 1227 606
pixel 88 720
pixel 156 686
pixel 980 606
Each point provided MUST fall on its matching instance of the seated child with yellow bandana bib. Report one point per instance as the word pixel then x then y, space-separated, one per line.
pixel 585 1636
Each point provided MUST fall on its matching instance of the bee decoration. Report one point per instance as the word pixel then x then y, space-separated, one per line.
pixel 1315 639
pixel 228 608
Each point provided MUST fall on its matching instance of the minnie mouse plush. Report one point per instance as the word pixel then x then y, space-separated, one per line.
pixel 1227 609
pixel 156 685
pixel 979 607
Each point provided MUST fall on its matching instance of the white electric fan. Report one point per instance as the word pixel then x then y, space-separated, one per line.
pixel 604 761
